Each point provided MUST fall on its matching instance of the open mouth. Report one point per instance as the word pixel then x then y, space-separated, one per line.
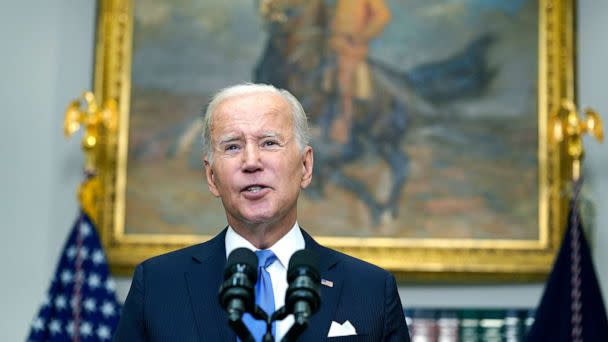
pixel 253 188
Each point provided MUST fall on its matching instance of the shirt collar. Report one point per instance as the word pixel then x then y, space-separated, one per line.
pixel 283 249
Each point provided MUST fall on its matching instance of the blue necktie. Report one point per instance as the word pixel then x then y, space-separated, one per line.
pixel 264 297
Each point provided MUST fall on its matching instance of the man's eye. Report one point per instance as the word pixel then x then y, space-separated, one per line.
pixel 231 147
pixel 270 143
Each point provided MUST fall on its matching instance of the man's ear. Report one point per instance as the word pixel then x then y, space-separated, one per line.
pixel 210 175
pixel 307 166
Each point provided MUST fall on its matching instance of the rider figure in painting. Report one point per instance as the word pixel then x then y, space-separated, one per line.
pixel 355 24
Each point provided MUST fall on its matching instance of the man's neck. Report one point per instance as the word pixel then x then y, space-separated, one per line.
pixel 262 236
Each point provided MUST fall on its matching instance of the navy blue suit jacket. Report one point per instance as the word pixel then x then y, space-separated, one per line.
pixel 174 297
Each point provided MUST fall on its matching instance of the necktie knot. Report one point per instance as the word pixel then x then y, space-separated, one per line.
pixel 265 258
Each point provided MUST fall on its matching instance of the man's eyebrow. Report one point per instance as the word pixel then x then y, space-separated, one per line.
pixel 271 134
pixel 228 138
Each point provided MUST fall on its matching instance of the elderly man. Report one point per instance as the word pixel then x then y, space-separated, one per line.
pixel 257 159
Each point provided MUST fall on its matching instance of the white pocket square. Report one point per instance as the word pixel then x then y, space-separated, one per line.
pixel 345 329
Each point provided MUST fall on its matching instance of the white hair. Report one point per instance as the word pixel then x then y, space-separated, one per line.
pixel 300 121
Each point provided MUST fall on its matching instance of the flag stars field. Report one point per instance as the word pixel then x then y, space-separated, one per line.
pixel 60 302
pixel 80 276
pixel 90 305
pixel 103 332
pixel 74 303
pixel 94 281
pixel 38 324
pixel 71 252
pixel 81 301
pixel 110 285
pixel 55 327
pixel 107 309
pixel 46 301
pixel 97 257
pixel 69 328
pixel 86 329
pixel 83 253
pixel 85 229
pixel 66 276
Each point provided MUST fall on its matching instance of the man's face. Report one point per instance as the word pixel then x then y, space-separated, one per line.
pixel 257 168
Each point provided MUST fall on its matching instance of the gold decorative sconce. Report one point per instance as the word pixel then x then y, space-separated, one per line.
pixel 567 126
pixel 94 120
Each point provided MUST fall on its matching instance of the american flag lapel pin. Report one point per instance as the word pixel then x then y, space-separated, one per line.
pixel 327 283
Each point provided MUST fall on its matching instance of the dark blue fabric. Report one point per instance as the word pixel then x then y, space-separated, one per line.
pixel 88 311
pixel 554 315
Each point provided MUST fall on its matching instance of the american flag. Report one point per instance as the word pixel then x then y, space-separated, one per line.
pixel 81 302
pixel 571 308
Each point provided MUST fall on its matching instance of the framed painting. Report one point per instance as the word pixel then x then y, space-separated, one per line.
pixel 429 124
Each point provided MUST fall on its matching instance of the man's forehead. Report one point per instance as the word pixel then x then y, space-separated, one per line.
pixel 265 101
pixel 252 107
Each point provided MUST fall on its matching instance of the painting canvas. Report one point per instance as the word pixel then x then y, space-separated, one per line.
pixel 423 114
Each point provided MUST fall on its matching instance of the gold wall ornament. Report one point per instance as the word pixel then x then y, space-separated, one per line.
pixel 89 193
pixel 95 120
pixel 569 128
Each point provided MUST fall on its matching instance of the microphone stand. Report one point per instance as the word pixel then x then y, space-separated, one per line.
pixel 299 325
pixel 235 321
pixel 261 315
pixel 241 330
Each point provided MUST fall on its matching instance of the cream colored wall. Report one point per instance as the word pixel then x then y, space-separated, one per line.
pixel 46 49
pixel 592 91
pixel 46 54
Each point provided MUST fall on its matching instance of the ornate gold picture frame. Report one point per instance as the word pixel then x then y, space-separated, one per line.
pixel 413 255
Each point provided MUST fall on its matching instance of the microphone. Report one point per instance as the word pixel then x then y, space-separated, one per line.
pixel 303 297
pixel 237 294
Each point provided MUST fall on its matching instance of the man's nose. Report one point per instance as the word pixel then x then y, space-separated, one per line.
pixel 251 158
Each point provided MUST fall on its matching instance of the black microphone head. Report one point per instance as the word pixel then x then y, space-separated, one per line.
pixel 242 260
pixel 236 293
pixel 303 295
pixel 303 261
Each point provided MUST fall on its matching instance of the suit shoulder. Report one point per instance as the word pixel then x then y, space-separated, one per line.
pixel 178 259
pixel 171 257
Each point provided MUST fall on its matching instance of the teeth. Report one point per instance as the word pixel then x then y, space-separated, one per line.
pixel 254 188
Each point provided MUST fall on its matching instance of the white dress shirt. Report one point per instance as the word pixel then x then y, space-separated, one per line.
pixel 283 249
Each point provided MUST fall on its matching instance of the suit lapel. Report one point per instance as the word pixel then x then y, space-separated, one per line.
pixel 330 296
pixel 204 279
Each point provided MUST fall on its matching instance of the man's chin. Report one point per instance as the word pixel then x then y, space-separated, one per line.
pixel 259 219
pixel 261 216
